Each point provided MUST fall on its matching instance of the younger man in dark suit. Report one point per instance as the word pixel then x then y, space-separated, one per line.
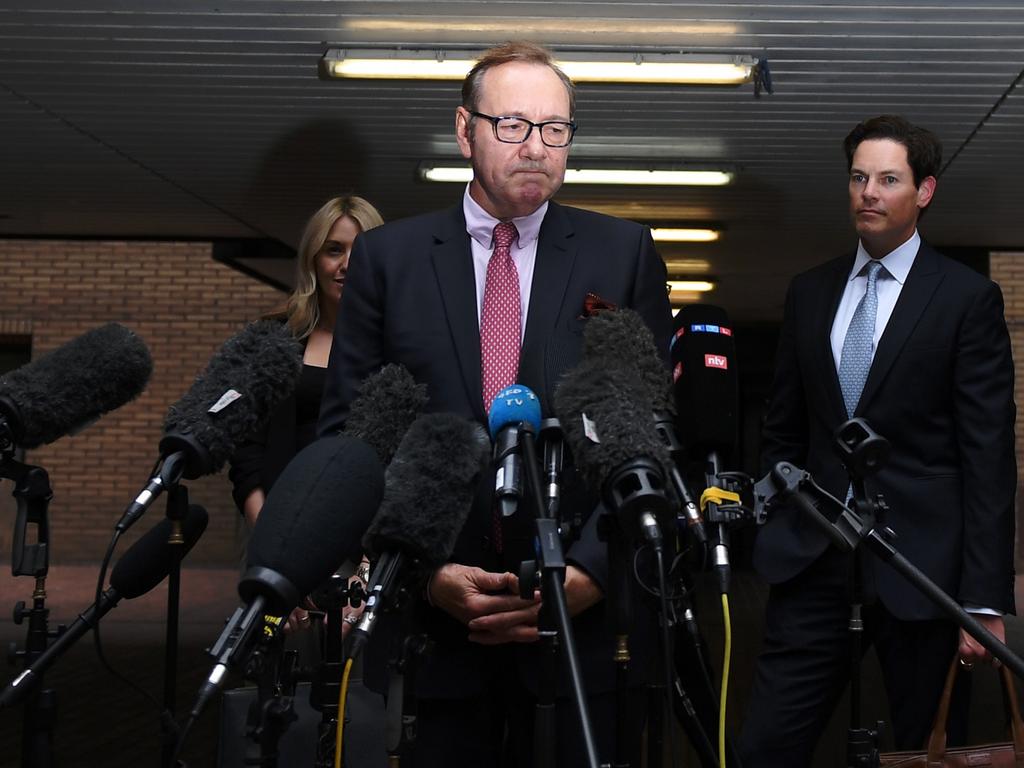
pixel 917 345
pixel 471 299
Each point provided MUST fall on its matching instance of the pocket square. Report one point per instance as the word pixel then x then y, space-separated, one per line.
pixel 592 304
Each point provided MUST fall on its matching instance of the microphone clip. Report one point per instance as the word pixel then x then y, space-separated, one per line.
pixel 635 490
pixel 508 481
pixel 33 493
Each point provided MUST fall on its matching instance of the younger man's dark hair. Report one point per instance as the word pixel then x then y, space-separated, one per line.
pixel 924 150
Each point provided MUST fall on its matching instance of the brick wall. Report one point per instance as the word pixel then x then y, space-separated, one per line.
pixel 183 304
pixel 1007 269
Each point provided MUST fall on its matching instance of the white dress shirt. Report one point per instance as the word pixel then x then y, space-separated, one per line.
pixel 480 226
pixel 896 266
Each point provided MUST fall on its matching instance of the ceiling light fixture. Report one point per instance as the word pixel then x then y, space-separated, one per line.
pixel 617 176
pixel 684 235
pixel 677 266
pixel 582 67
pixel 527 27
pixel 690 286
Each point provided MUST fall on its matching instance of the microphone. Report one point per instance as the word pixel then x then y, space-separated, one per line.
pixel 665 427
pixel 552 452
pixel 387 404
pixel 243 383
pixel 72 386
pixel 428 491
pixel 706 390
pixel 624 337
pixel 146 563
pixel 605 405
pixel 312 521
pixel 705 381
pixel 515 408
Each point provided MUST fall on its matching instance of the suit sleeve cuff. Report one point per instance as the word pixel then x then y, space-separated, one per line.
pixel 970 608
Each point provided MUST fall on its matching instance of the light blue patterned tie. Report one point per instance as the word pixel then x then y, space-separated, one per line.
pixel 856 358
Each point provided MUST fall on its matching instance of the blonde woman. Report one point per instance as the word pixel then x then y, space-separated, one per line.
pixel 309 312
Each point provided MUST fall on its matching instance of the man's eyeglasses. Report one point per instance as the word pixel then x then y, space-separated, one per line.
pixel 516 130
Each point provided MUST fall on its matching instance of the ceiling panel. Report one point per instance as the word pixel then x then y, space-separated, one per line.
pixel 176 118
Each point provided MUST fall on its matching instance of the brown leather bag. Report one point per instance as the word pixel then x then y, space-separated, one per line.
pixel 1002 755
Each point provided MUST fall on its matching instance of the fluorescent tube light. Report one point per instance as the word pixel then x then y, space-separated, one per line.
pixel 612 67
pixel 618 176
pixel 641 177
pixel 692 286
pixel 684 235
pixel 678 266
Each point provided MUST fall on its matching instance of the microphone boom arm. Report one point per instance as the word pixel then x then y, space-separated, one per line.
pixel 848 529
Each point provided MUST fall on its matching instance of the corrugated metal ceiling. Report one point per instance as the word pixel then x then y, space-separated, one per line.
pixel 173 118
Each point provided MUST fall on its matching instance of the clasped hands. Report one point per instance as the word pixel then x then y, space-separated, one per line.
pixel 489 604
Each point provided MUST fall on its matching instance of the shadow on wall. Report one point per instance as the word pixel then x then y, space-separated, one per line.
pixel 304 168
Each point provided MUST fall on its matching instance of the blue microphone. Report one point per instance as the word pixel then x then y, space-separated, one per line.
pixel 515 408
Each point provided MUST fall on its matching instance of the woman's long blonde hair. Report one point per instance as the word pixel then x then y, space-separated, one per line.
pixel 302 309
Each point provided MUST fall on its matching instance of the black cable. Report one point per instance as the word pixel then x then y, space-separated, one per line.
pixel 98 641
pixel 981 123
pixel 666 650
pixel 705 748
pixel 182 735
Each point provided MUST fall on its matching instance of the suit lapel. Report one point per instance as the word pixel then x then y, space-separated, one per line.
pixel 924 277
pixel 556 252
pixel 830 297
pixel 453 265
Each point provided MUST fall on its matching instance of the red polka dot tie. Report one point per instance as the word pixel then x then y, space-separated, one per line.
pixel 501 316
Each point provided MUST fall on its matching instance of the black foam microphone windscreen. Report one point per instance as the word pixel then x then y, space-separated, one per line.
pixel 622 341
pixel 243 383
pixel 311 522
pixel 429 488
pixel 705 380
pixel 150 559
pixel 428 491
pixel 605 404
pixel 74 384
pixel 314 518
pixel 387 404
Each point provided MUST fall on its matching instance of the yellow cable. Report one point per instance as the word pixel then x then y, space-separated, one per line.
pixel 717 495
pixel 342 695
pixel 725 681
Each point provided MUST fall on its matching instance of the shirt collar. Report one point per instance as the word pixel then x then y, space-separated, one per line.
pixel 897 262
pixel 480 224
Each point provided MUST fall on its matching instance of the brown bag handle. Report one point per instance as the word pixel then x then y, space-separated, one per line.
pixel 937 739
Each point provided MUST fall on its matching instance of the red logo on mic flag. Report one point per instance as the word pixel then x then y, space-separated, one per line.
pixel 716 361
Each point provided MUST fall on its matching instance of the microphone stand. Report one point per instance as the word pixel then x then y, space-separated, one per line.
pixel 402 708
pixel 849 529
pixel 273 710
pixel 722 515
pixel 331 598
pixel 635 495
pixel 695 724
pixel 177 508
pixel 33 493
pixel 553 620
pixel 863 452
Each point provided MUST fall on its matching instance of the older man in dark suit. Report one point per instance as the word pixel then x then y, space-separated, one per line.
pixel 917 345
pixel 470 299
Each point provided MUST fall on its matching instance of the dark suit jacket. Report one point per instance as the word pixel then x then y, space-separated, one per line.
pixel 940 389
pixel 410 298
